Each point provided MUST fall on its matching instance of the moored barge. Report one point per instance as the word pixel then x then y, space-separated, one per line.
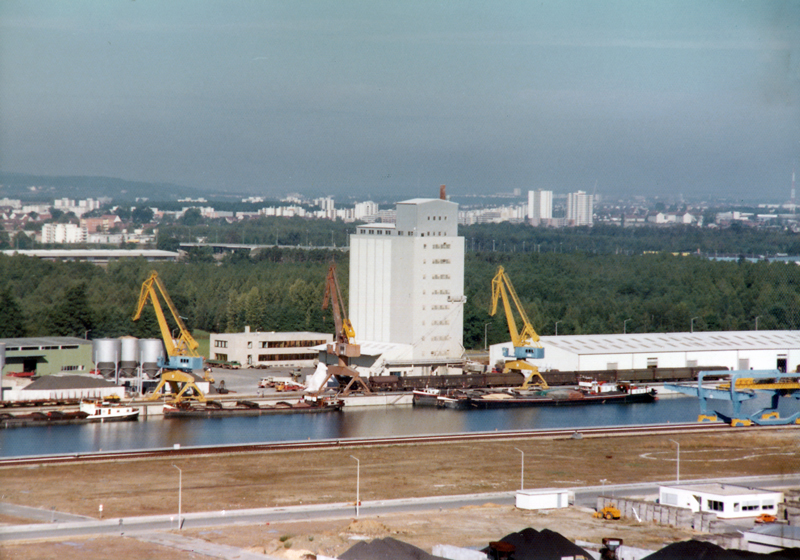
pixel 215 409
pixel 588 392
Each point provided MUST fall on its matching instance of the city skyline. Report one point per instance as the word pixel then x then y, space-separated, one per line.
pixel 380 98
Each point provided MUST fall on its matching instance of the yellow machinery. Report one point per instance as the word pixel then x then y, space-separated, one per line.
pixel 182 352
pixel 344 346
pixel 526 342
pixel 608 512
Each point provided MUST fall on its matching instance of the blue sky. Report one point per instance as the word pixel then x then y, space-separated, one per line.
pixel 394 98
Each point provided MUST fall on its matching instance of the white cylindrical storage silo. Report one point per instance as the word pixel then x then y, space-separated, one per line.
pixel 129 356
pixel 151 350
pixel 105 355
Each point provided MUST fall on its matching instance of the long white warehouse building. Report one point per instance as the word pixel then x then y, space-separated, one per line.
pixel 736 350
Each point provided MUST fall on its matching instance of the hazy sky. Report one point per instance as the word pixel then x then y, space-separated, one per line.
pixel 387 97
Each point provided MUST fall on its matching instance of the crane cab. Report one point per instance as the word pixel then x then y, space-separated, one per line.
pixel 185 363
pixel 524 352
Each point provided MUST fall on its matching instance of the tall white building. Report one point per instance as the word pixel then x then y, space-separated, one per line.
pixel 365 209
pixel 540 206
pixel 580 208
pixel 407 280
pixel 63 233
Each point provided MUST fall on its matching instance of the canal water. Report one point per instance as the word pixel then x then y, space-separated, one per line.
pixel 154 433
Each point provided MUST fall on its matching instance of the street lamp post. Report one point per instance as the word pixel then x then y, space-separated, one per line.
pixel 625 326
pixel 678 464
pixel 358 483
pixel 692 322
pixel 557 322
pixel 485 336
pixel 522 471
pixel 180 496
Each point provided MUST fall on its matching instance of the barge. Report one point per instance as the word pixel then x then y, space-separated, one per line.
pixel 215 409
pixel 89 411
pixel 588 392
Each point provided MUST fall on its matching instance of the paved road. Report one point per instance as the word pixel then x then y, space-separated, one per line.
pixel 69 526
pixel 205 548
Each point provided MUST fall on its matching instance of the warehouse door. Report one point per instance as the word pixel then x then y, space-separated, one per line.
pixel 744 363
pixel 781 363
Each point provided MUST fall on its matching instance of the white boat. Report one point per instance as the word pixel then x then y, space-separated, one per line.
pixel 108 411
pixel 426 396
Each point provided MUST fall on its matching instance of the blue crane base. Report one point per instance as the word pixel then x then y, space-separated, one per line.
pixel 764 417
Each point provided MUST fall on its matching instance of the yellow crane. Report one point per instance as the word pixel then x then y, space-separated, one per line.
pixel 182 354
pixel 526 341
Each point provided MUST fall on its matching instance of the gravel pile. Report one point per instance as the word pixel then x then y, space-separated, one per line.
pixel 531 544
pixel 386 549
pixel 698 550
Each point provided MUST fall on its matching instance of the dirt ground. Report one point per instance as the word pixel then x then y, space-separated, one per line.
pixel 469 527
pixel 131 488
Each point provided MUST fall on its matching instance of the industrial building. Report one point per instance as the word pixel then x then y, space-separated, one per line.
pixel 60 387
pixel 47 355
pixel 735 350
pixel 96 256
pixel 407 282
pixel 268 349
pixel 727 501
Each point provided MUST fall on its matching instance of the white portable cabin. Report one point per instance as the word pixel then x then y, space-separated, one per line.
pixel 542 498
pixel 727 501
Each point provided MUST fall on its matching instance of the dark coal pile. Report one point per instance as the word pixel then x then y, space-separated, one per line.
pixel 386 549
pixel 698 550
pixel 531 544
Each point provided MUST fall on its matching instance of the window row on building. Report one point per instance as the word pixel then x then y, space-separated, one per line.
pixel 287 357
pixel 291 343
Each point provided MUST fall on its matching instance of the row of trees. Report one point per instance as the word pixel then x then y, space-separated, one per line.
pixel 282 289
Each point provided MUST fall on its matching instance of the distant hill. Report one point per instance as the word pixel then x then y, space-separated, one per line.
pixel 43 187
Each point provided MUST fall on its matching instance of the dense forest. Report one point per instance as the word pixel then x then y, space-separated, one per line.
pixel 737 240
pixel 281 289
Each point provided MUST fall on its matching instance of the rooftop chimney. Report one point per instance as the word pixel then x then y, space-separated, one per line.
pixel 442 194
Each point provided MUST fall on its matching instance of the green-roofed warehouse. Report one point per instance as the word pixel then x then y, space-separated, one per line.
pixel 47 354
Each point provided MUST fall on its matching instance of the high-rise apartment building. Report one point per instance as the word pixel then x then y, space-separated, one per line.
pixel 63 233
pixel 407 280
pixel 540 206
pixel 580 209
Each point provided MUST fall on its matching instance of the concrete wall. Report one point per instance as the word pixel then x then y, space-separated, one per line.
pixel 370 287
pixel 789 510
pixel 650 512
